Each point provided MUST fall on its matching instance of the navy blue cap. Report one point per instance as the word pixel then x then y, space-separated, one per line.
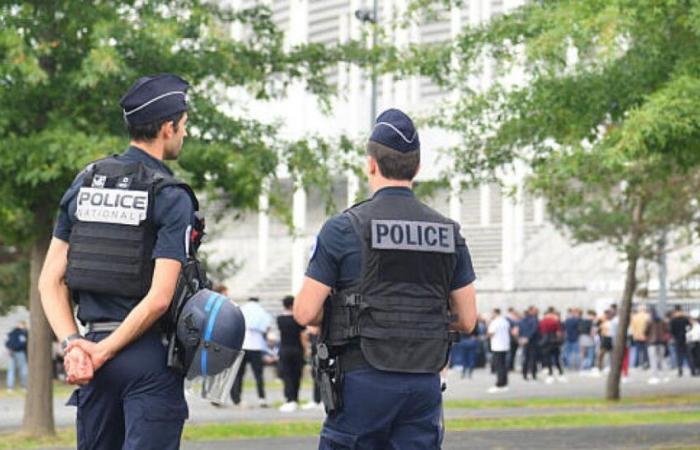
pixel 154 97
pixel 395 130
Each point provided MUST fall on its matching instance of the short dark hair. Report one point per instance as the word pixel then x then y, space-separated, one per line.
pixel 497 311
pixel 394 164
pixel 253 299
pixel 288 301
pixel 145 132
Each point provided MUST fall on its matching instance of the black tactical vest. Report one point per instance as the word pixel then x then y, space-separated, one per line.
pixel 398 310
pixel 111 243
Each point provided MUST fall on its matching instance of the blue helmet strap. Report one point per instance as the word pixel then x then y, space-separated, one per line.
pixel 212 307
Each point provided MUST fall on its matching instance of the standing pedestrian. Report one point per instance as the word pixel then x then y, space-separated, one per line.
pixel 257 323
pixel 640 328
pixel 528 332
pixel 121 238
pixel 291 355
pixel 513 319
pixel 550 342
pixel 679 327
pixel 16 345
pixel 499 334
pixel 383 279
pixel 605 330
pixel 572 350
pixel 587 340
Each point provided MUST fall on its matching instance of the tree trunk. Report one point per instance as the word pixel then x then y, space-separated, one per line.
pixel 38 407
pixel 613 385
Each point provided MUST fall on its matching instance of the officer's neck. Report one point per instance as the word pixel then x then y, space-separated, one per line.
pixel 155 148
pixel 381 183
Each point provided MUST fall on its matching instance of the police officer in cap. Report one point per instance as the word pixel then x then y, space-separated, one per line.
pixel 389 280
pixel 122 235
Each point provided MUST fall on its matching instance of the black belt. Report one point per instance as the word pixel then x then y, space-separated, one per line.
pixel 352 359
pixel 102 327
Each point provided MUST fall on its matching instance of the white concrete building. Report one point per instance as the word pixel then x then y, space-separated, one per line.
pixel 519 257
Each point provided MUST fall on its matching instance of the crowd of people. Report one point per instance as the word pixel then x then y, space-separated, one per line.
pixel 579 341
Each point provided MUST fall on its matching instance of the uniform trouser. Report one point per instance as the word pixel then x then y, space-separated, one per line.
pixel 291 365
pixel 501 367
pixel 254 358
pixel 386 411
pixel 133 402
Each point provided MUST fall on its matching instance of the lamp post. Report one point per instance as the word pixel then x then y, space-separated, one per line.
pixel 365 15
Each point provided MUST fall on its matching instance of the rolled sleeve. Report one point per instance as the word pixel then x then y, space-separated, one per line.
pixel 173 218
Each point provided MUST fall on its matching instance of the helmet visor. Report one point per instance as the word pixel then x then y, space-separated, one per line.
pixel 212 372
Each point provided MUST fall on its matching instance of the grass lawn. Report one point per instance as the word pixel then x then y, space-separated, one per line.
pixel 581 403
pixel 251 430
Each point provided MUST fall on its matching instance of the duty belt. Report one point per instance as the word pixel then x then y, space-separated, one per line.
pixel 102 327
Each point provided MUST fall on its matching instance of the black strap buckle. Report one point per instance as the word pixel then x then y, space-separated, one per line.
pixel 353 300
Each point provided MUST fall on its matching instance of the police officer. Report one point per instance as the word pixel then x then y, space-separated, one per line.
pixel 120 240
pixel 387 280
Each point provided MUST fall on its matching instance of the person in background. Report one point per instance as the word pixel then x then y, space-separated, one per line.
pixel 469 345
pixel 16 345
pixel 692 338
pixel 291 355
pixel 679 327
pixel 513 319
pixel 572 333
pixel 657 341
pixel 257 322
pixel 586 340
pixel 499 335
pixel 528 332
pixel 550 341
pixel 605 330
pixel 639 325
pixel 312 334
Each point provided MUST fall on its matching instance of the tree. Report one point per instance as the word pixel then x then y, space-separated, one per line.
pixel 608 99
pixel 63 67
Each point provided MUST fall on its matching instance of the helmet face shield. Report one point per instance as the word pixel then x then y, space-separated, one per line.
pixel 212 372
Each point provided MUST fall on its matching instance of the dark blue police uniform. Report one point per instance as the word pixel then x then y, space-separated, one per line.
pixel 134 401
pixel 381 409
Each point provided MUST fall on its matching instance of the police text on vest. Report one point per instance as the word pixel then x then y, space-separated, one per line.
pixel 112 206
pixel 413 236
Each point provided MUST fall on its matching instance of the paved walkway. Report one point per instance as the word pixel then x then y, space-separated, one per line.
pixel 632 437
pixel 577 385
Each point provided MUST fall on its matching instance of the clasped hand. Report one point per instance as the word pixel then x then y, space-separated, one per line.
pixel 82 359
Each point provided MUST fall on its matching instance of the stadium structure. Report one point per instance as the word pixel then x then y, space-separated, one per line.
pixel 519 256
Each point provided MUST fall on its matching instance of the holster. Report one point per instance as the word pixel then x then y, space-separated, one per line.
pixel 329 377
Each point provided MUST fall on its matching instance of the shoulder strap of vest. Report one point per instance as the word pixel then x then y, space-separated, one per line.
pixel 173 181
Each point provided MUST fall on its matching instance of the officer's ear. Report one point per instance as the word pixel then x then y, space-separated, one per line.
pixel 372 166
pixel 167 130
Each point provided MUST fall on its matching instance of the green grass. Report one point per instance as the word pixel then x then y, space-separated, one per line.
pixel 583 403
pixel 252 430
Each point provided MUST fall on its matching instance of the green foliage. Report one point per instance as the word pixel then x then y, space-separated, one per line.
pixel 65 64
pixel 14 285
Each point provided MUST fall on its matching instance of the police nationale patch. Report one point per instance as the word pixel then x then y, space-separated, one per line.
pixel 413 236
pixel 112 206
pixel 314 247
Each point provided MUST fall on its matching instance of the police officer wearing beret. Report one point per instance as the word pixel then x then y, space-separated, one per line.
pixel 390 280
pixel 122 235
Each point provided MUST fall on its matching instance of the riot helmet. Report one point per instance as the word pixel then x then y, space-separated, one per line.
pixel 210 332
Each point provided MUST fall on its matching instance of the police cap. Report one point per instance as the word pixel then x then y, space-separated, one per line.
pixel 394 129
pixel 154 97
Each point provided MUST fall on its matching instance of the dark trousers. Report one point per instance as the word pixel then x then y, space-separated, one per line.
pixel 386 410
pixel 291 364
pixel 501 367
pixel 512 352
pixel 254 358
pixel 681 356
pixel 133 402
pixel 530 360
pixel 551 354
pixel 694 357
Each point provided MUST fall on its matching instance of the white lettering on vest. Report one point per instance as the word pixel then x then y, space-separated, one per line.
pixel 112 206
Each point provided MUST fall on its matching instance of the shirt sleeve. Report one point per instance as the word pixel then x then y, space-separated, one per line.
pixel 464 271
pixel 173 217
pixel 324 263
pixel 66 210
